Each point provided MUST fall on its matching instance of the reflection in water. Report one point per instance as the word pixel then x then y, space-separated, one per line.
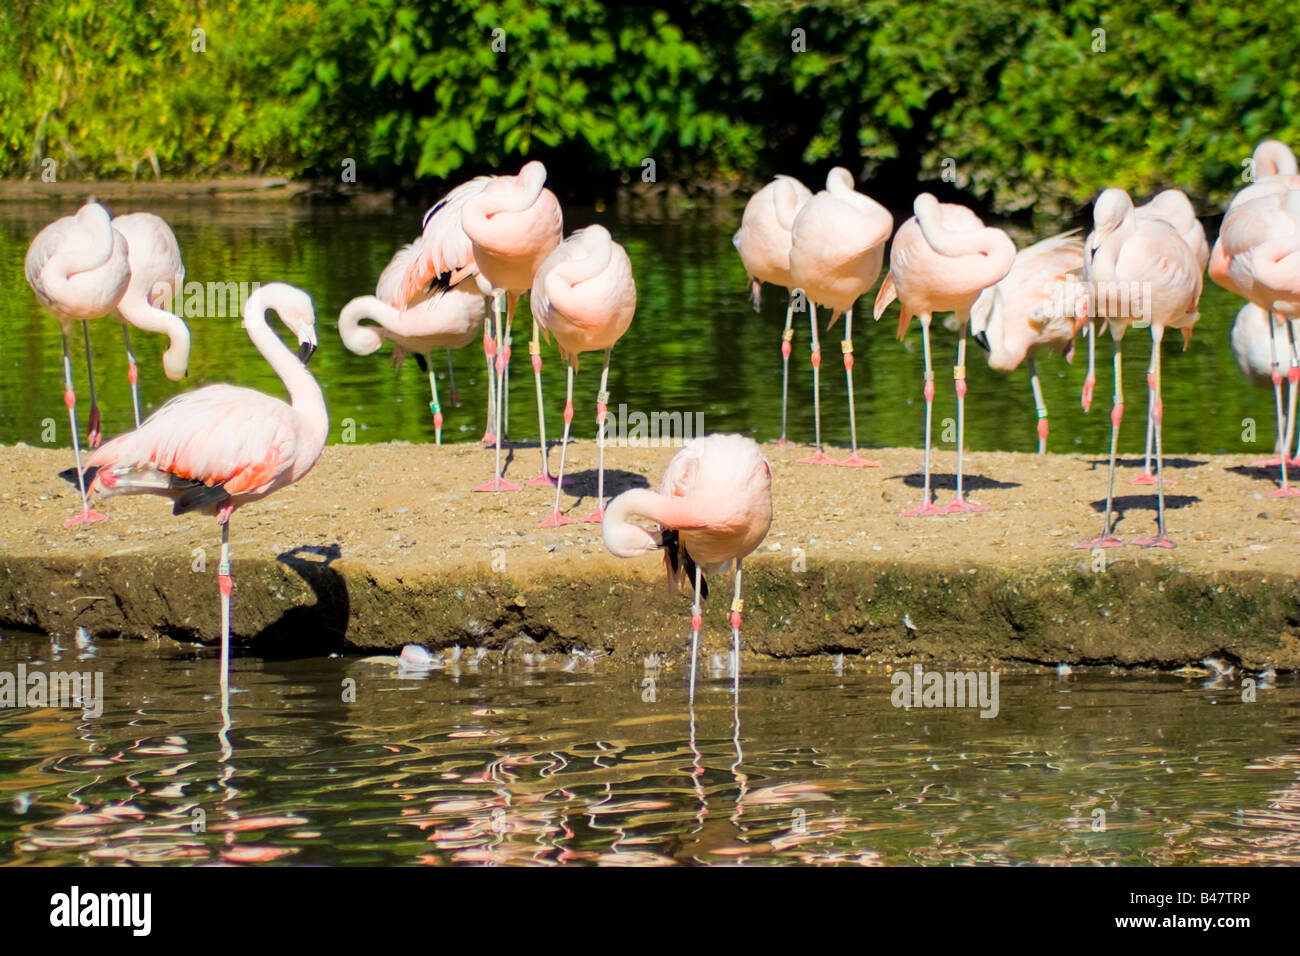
pixel 696 346
pixel 485 764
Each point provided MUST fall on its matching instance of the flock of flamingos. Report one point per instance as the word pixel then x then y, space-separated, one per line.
pixel 494 238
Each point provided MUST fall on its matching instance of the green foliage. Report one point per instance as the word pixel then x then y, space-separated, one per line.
pixel 1022 98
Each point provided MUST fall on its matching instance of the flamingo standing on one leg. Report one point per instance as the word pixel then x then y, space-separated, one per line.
pixel 1257 255
pixel 1138 270
pixel 1171 206
pixel 941 260
pixel 513 223
pixel 713 507
pixel 1030 310
pixel 838 247
pixel 157 281
pixel 77 266
pixel 584 295
pixel 764 241
pixel 436 315
pixel 219 447
pixel 1254 346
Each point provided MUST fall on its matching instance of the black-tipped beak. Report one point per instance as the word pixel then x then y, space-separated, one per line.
pixel 983 339
pixel 305 350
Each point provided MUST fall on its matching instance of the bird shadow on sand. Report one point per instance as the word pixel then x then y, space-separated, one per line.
pixel 582 484
pixel 1260 472
pixel 1123 504
pixel 312 629
pixel 940 481
pixel 1103 462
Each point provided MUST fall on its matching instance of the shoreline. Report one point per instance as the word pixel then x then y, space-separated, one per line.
pixel 384 545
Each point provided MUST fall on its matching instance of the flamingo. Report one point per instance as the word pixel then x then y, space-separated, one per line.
pixel 513 223
pixel 1031 309
pixel 1257 255
pixel 219 447
pixel 941 260
pixel 713 508
pixel 838 249
pixel 157 280
pixel 1254 347
pixel 77 267
pixel 584 295
pixel 448 318
pixel 1123 255
pixel 763 241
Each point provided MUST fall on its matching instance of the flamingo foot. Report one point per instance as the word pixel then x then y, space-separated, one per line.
pixel 489 438
pixel 555 520
pixel 818 458
pixel 1105 541
pixel 596 517
pixel 1294 462
pixel 1266 463
pixel 857 461
pixel 1290 491
pixel 782 442
pixel 544 479
pixel 87 515
pixel 1154 541
pixel 925 511
pixel 1146 478
pixel 961 504
pixel 497 484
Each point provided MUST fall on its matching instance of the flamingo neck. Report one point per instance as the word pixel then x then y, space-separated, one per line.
pixel 680 513
pixel 148 317
pixel 304 392
pixel 599 248
pixel 365 339
pixel 71 274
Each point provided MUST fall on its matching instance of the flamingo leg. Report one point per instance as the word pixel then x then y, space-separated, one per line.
pixel 1285 491
pixel 959 379
pixel 1108 540
pixel 737 607
pixel 543 477
pixel 70 399
pixel 1090 380
pixel 818 457
pixel 1147 478
pixel 132 372
pixel 1160 539
pixel 1295 461
pixel 489 353
pixel 787 337
pixel 92 424
pixel 451 379
pixel 1040 407
pixel 602 410
pixel 434 406
pixel 225 585
pixel 697 621
pixel 498 483
pixel 854 460
pixel 926 508
pixel 1293 380
pixel 554 519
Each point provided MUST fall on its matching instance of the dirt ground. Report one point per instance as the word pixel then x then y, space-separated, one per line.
pixel 386 544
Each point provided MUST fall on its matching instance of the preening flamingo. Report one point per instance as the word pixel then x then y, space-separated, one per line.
pixel 763 241
pixel 1138 271
pixel 220 447
pixel 839 246
pixel 1032 309
pixel 157 282
pixel 1258 234
pixel 713 508
pixel 1254 346
pixel 77 266
pixel 513 223
pixel 941 260
pixel 585 296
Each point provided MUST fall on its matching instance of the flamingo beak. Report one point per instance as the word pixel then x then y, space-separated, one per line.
pixel 305 350
pixel 983 339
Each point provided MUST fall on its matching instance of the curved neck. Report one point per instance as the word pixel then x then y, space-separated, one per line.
pixel 69 273
pixel 360 338
pixel 599 250
pixel 527 186
pixel 986 241
pixel 304 393
pixel 148 317
pixel 682 514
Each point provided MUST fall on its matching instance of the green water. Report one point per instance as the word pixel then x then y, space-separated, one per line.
pixel 695 346
pixel 505 763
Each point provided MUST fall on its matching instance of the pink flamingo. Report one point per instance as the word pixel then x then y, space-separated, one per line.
pixel 157 281
pixel 713 507
pixel 448 318
pixel 1030 310
pixel 513 223
pixel 584 295
pixel 941 260
pixel 764 241
pixel 77 266
pixel 839 246
pixel 1138 270
pixel 1257 255
pixel 219 447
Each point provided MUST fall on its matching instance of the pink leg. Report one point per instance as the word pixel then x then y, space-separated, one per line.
pixel 602 409
pixel 70 399
pixel 818 457
pixel 786 338
pixel 92 426
pixel 543 477
pixel 1106 539
pixel 1160 539
pixel 498 482
pixel 959 379
pixel 490 351
pixel 846 346
pixel 927 508
pixel 555 518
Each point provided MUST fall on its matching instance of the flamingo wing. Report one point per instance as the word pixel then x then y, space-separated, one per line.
pixel 445 254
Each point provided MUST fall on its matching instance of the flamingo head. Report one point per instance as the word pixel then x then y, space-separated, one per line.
pixel 295 310
pixel 1274 158
pixel 839 180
